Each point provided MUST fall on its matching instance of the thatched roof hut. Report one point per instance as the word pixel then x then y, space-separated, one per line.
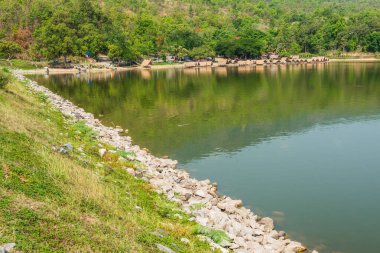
pixel 146 63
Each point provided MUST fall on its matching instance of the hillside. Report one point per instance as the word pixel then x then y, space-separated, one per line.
pixel 58 195
pixel 130 29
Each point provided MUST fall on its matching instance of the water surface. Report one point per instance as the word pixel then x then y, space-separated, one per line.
pixel 297 143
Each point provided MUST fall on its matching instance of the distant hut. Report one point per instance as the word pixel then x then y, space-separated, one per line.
pixel 146 63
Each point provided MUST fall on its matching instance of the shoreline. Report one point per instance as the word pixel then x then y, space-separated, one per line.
pixel 169 66
pixel 248 232
pixel 355 60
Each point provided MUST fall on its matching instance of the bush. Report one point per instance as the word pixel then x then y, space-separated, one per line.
pixel 4 78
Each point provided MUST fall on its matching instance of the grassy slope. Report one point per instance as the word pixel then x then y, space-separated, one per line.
pixel 51 202
pixel 21 64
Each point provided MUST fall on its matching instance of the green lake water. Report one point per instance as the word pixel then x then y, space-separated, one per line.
pixel 300 144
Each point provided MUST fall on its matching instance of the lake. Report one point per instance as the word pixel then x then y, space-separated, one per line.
pixel 300 144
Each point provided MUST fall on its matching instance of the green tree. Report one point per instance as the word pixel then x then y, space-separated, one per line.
pixel 9 49
pixel 373 42
pixel 55 40
pixel 115 53
pixel 202 52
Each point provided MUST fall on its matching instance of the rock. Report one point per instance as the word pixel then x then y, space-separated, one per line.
pixel 229 205
pixel 201 193
pixel 131 171
pixel 185 240
pixel 276 244
pixel 314 251
pixel 241 251
pixel 68 146
pixel 8 247
pixel 240 241
pixel 186 197
pixel 156 233
pixel 63 151
pixel 138 208
pixel 268 223
pixel 2 250
pixel 295 247
pixel 102 152
pixel 162 248
pixel 225 244
pixel 256 247
pixel 234 246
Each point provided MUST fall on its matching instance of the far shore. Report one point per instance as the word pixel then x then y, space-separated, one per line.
pixel 55 71
pixel 355 60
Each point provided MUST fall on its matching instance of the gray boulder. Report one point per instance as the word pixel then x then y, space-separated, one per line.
pixel 162 248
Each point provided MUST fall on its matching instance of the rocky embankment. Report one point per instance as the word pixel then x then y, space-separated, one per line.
pixel 248 232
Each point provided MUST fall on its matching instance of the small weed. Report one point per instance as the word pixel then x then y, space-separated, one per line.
pixel 218 236
pixel 197 206
pixel 85 132
pixel 125 154
pixel 42 97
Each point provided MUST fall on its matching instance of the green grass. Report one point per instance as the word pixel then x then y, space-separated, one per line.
pixel 5 77
pixel 22 64
pixel 53 202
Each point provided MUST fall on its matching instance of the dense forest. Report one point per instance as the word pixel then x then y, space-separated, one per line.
pixel 133 29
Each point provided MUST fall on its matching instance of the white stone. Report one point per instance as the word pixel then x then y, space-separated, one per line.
pixel 102 152
pixel 185 240
pixel 201 193
pixel 131 171
pixel 268 223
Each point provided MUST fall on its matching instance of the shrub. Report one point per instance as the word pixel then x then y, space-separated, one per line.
pixel 4 78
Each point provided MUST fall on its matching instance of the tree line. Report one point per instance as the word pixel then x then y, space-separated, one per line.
pixel 132 29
